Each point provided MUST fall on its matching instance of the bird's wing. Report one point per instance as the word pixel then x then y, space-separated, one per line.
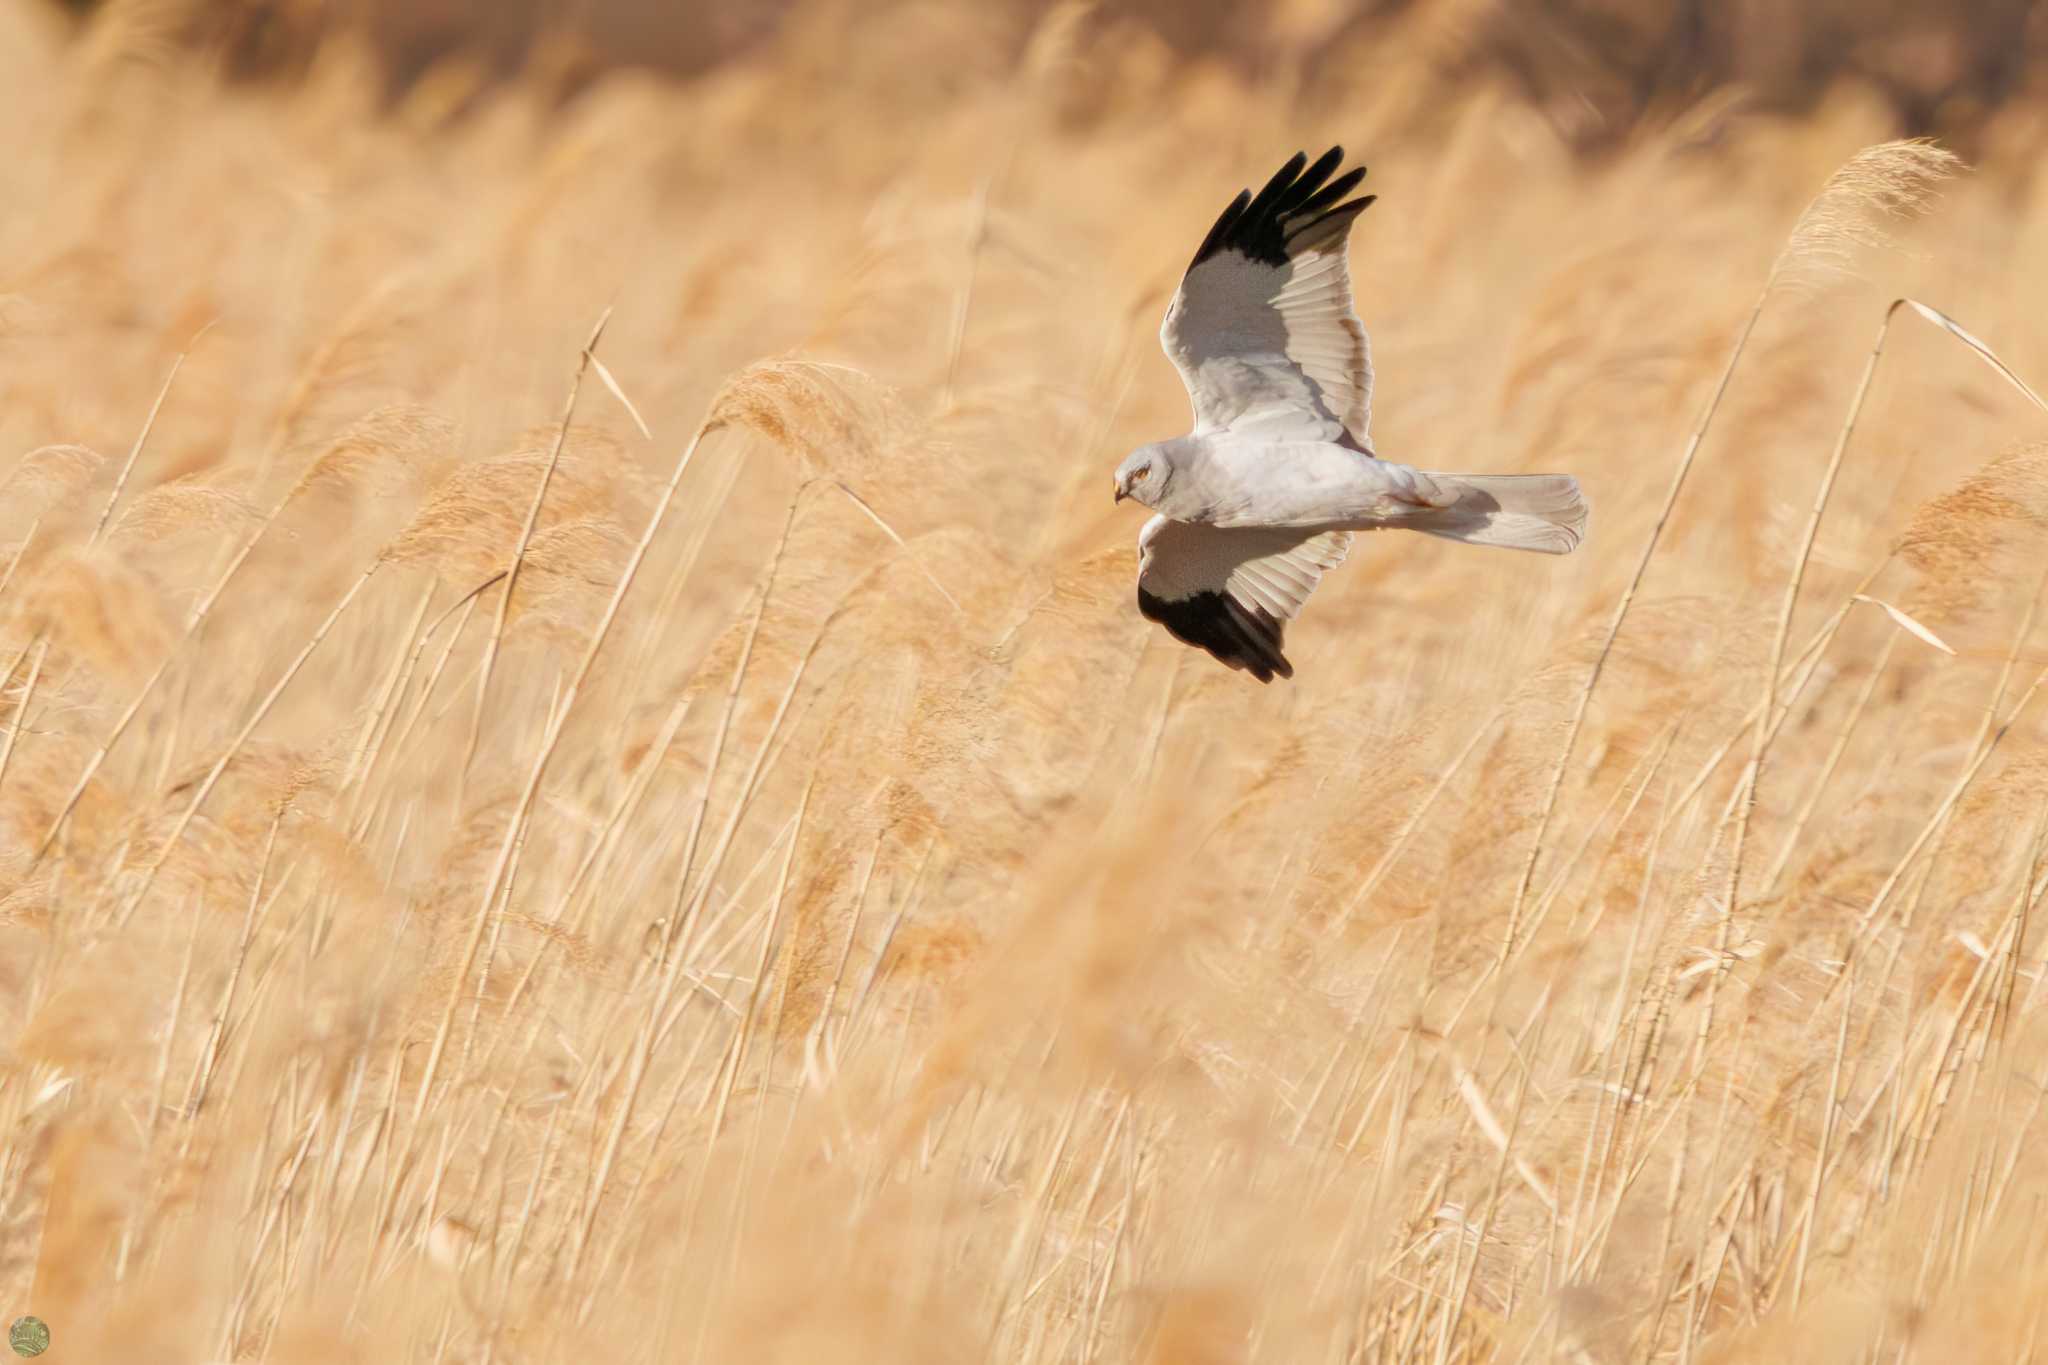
pixel 1262 328
pixel 1232 590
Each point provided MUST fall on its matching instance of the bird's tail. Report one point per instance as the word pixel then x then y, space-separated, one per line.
pixel 1541 512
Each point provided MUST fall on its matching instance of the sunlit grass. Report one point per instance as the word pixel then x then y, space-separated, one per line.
pixel 802 911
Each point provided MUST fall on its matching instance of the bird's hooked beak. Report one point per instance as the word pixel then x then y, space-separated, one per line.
pixel 1121 491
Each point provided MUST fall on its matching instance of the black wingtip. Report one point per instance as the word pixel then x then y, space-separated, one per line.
pixel 1281 181
pixel 1239 637
pixel 1228 219
pixel 1307 183
pixel 1332 192
pixel 1294 200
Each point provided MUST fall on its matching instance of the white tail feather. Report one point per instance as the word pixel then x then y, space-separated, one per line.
pixel 1541 512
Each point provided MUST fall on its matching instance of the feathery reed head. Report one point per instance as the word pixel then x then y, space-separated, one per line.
pixel 1981 537
pixel 46 479
pixel 1872 192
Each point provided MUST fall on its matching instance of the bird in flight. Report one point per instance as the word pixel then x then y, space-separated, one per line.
pixel 1260 499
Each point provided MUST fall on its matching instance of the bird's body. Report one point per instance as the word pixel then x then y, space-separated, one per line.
pixel 1261 498
pixel 1229 479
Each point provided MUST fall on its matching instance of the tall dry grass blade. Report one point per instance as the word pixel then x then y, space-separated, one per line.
pixel 1760 735
pixel 1414 820
pixel 723 1075
pixel 664 1015
pixel 610 383
pixel 99 757
pixel 1030 1230
pixel 1947 1056
pixel 1830 764
pixel 654 1025
pixel 856 1010
pixel 1091 1335
pixel 817 1042
pixel 1761 739
pixel 963 306
pixel 461 609
pixel 743 1036
pixel 20 554
pixel 330 362
pixel 1635 786
pixel 209 1053
pixel 193 621
pixel 685 930
pixel 172 1027
pixel 142 438
pixel 2008 985
pixel 771 748
pixel 675 932
pixel 1615 1062
pixel 1890 178
pixel 99 528
pixel 234 747
pixel 1086 1204
pixel 540 494
pixel 1939 819
pixel 1498 1136
pixel 513 829
pixel 596 860
pixel 361 753
pixel 40 647
pixel 550 720
pixel 1983 352
pixel 519 555
pixel 1455 1308
pixel 1831 1102
pixel 2023 1142
pixel 1906 623
pixel 1555 782
pixel 908 553
pixel 274 1211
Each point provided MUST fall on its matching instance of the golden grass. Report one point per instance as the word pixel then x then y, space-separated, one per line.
pixel 805 914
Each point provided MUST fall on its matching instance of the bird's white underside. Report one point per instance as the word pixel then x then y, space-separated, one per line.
pixel 1274 349
pixel 1273 568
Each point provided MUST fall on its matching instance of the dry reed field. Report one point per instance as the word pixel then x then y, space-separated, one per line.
pixel 811 916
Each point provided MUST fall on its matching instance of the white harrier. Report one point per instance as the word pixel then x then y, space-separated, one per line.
pixel 1263 495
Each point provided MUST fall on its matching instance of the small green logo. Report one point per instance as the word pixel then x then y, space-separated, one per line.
pixel 29 1336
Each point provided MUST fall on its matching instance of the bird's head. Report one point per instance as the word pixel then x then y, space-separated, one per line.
pixel 1143 475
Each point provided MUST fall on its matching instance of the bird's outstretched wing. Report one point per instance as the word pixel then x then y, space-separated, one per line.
pixel 1232 590
pixel 1262 328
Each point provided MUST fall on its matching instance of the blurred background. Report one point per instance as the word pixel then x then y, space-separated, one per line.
pixel 1595 67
